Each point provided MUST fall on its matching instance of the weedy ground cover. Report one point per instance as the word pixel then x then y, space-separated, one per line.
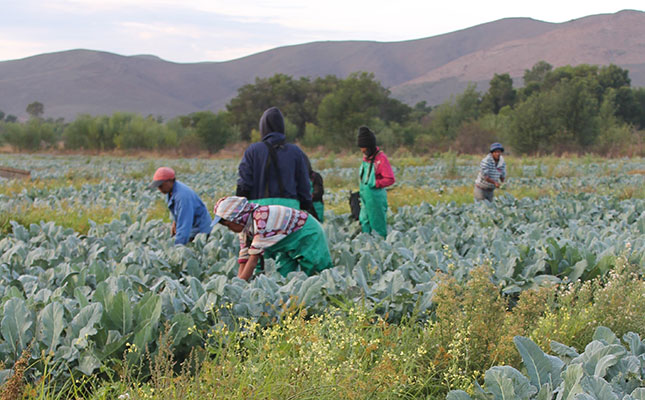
pixel 351 352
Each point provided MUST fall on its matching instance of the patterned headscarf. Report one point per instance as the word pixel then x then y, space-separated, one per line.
pixel 234 209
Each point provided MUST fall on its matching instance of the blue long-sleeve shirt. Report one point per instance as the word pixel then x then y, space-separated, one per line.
pixel 253 176
pixel 189 212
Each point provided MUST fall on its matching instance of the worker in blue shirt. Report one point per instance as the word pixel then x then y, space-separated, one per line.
pixel 187 209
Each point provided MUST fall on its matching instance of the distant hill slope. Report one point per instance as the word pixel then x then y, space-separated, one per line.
pixel 431 69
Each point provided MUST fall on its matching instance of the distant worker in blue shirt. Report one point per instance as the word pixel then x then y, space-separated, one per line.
pixel 187 209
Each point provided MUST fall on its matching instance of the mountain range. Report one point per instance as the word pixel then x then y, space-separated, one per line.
pixel 430 69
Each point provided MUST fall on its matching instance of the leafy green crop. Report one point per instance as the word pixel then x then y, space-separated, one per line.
pixel 86 299
pixel 607 369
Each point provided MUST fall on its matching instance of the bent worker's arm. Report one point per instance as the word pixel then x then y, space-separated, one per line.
pixel 246 270
pixel 491 180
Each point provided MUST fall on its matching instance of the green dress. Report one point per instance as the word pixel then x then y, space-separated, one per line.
pixel 373 216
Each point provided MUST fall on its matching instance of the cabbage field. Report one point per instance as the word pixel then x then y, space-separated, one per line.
pixel 86 296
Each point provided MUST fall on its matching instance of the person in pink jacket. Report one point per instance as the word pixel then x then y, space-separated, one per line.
pixel 375 175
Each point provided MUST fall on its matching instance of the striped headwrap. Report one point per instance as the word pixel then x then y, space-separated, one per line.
pixel 234 209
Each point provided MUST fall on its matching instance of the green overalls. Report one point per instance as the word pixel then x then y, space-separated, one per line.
pixel 306 247
pixel 373 214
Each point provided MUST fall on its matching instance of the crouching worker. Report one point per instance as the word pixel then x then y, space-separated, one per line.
pixel 294 235
pixel 187 209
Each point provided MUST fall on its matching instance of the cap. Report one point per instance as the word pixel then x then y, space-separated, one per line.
pixel 496 146
pixel 215 221
pixel 161 175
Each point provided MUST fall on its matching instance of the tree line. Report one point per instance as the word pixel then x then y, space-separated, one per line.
pixel 582 108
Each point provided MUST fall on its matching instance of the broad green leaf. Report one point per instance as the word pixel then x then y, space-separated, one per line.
pixel 507 383
pixel 52 323
pixel 636 346
pixel 598 388
pixel 545 393
pixel 88 363
pixel 605 334
pixel 594 352
pixel 118 313
pixel 604 364
pixel 571 378
pixel 541 368
pixel 115 341
pixel 16 324
pixel 578 269
pixel 565 352
pixel 638 394
pixel 83 324
pixel 144 335
pixel 148 309
pixel 458 395
pixel 179 327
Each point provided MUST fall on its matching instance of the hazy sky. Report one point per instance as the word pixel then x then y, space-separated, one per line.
pixel 214 30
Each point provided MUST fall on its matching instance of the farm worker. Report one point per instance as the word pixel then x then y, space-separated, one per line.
pixel 317 191
pixel 375 175
pixel 272 171
pixel 293 234
pixel 492 173
pixel 189 213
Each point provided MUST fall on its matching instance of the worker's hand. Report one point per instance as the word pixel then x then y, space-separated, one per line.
pixel 173 229
pixel 246 271
pixel 497 184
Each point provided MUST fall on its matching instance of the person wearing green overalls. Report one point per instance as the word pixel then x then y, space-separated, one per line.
pixel 293 234
pixel 274 172
pixel 375 175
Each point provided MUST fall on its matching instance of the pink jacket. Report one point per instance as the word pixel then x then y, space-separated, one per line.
pixel 382 170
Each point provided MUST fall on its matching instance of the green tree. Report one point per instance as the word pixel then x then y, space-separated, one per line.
pixel 11 118
pixel 537 73
pixel 357 100
pixel 500 94
pixel 534 78
pixel 31 136
pixel 612 76
pixel 2 114
pixel 578 110
pixel 533 125
pixel 565 117
pixel 35 109
pixel 447 118
pixel 214 130
pixel 280 90
pixel 84 133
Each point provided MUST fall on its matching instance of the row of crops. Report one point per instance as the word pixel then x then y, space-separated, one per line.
pixel 87 298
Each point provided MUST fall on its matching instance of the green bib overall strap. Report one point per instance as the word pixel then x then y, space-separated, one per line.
pixel 369 173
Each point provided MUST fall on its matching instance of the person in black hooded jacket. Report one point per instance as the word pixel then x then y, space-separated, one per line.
pixel 272 171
